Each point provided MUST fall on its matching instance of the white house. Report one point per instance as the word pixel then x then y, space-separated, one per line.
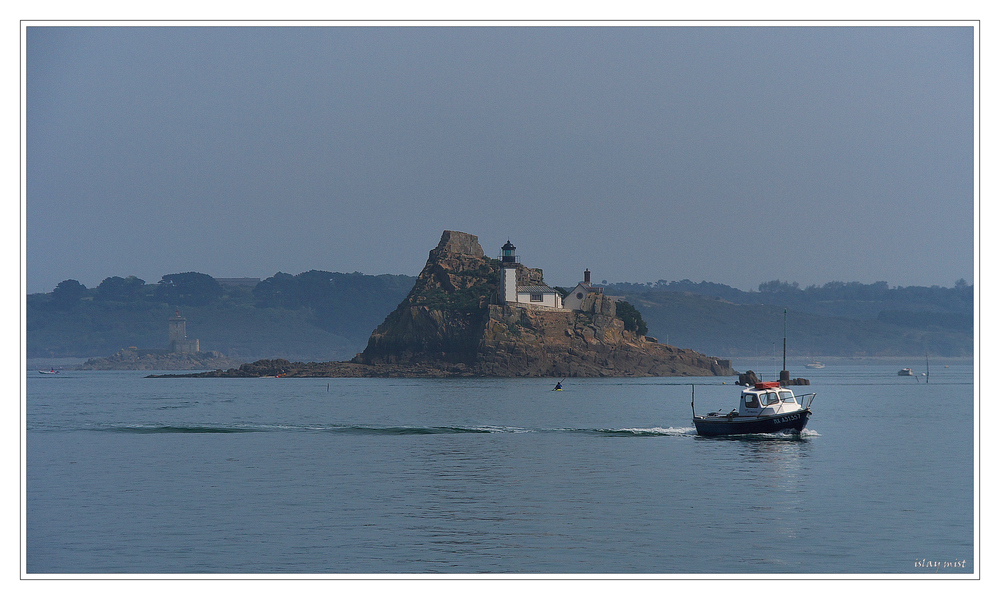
pixel 576 296
pixel 532 295
pixel 539 295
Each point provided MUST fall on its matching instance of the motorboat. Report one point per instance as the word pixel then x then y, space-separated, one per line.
pixel 907 372
pixel 815 365
pixel 766 407
pixel 49 372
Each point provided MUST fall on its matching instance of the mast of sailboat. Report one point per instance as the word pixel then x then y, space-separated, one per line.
pixel 927 365
pixel 784 342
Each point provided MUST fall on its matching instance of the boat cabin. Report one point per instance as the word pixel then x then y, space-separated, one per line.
pixel 767 398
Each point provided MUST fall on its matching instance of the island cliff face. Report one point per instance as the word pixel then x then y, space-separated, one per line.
pixel 453 322
pixel 441 320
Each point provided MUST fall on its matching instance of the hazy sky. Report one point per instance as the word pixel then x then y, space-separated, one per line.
pixel 729 154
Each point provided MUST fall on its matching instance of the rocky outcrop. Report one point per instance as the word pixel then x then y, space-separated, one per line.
pixel 440 320
pixel 457 276
pixel 456 243
pixel 421 334
pixel 452 322
pixel 521 342
pixel 751 378
pixel 135 359
pixel 599 304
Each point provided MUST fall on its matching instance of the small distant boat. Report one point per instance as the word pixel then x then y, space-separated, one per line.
pixel 815 365
pixel 907 372
pixel 765 408
pixel 49 372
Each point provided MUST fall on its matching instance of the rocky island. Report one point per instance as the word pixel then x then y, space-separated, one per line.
pixel 181 353
pixel 138 359
pixel 469 315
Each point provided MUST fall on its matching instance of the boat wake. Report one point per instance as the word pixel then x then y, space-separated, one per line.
pixel 644 432
pixel 391 430
pixel 414 430
pixel 177 429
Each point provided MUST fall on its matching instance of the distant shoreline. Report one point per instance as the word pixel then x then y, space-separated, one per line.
pixel 795 364
pixel 344 369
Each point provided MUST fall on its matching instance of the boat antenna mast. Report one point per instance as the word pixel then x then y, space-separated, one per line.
pixel 784 351
pixel 784 342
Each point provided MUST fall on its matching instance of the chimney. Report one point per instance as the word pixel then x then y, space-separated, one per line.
pixel 586 277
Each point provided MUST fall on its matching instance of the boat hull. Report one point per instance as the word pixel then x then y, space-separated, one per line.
pixel 709 426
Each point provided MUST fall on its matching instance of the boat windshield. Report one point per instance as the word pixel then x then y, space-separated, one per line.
pixel 772 398
pixel 750 401
pixel 786 396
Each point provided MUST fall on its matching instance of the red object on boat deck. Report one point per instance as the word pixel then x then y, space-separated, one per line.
pixel 765 385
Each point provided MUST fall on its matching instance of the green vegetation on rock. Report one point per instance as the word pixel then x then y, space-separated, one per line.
pixel 632 317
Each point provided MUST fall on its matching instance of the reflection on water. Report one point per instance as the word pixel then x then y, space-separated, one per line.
pixel 768 468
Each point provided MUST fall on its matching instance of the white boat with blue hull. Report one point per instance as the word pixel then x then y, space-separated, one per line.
pixel 764 408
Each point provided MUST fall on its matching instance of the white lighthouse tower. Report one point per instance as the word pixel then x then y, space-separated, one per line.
pixel 508 264
pixel 533 294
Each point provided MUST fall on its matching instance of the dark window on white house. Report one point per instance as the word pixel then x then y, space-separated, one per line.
pixel 536 297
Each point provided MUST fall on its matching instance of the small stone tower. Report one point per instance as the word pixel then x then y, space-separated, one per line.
pixel 178 341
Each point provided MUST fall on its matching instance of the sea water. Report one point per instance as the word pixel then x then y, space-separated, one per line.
pixel 372 476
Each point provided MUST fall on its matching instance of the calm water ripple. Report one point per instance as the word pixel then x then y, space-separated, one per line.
pixel 132 475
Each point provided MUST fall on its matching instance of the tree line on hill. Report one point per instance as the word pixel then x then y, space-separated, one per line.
pixel 322 315
pixel 312 315
pixel 314 289
pixel 835 319
pixel 181 289
pixel 850 299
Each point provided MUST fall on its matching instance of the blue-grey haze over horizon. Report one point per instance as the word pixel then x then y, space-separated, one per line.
pixel 729 154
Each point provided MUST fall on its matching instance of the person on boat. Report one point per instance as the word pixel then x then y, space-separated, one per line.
pixel 558 387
